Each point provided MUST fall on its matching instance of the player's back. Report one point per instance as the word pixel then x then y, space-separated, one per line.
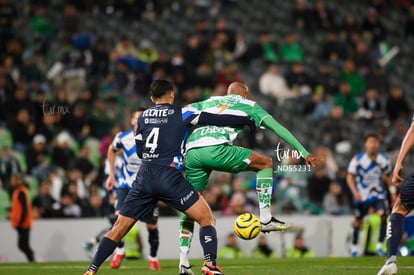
pixel 160 136
pixel 229 105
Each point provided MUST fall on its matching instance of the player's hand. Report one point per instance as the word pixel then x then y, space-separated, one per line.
pixel 109 184
pixel 310 160
pixel 396 178
pixel 357 197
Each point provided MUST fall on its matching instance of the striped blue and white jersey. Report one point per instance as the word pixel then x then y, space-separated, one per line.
pixel 368 175
pixel 117 169
pixel 130 160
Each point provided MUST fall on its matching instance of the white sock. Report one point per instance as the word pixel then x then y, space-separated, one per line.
pixel 184 259
pixel 354 248
pixel 265 215
pixel 120 250
pixel 152 258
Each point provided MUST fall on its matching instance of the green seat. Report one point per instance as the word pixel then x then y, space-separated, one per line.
pixel 93 145
pixel 4 204
pixel 6 138
pixel 33 186
pixel 21 158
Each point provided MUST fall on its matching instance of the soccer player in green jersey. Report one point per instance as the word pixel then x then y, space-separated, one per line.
pixel 210 148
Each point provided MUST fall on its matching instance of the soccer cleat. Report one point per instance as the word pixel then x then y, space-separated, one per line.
pixel 186 270
pixel 388 269
pixel 210 269
pixel 117 260
pixel 154 264
pixel 90 272
pixel 275 225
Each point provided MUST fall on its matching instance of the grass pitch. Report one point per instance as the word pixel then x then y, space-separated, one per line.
pixel 245 266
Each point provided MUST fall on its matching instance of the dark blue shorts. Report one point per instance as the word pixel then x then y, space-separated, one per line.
pixel 120 195
pixel 407 193
pixel 361 208
pixel 158 183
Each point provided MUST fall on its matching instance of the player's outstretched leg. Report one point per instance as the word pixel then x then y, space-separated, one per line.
pixel 264 188
pixel 186 236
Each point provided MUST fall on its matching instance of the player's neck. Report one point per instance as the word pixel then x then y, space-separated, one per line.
pixel 162 102
pixel 372 156
pixel 167 98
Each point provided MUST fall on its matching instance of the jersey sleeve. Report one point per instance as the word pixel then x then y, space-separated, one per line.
pixel 116 142
pixel 190 116
pixel 352 167
pixel 138 138
pixel 271 124
pixel 258 114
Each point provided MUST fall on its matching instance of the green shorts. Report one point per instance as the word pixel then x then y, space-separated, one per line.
pixel 199 162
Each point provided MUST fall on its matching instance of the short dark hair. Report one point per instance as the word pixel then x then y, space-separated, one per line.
pixel 371 135
pixel 160 87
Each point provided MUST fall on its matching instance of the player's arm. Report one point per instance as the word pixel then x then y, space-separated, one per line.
pixel 271 124
pixel 110 155
pixel 350 180
pixel 205 118
pixel 139 139
pixel 406 145
pixel 193 117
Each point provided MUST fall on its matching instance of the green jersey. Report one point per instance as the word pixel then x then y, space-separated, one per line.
pixel 229 104
pixel 236 105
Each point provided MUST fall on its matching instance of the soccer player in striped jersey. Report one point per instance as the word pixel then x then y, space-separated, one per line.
pixel 160 137
pixel 125 141
pixel 402 206
pixel 210 148
pixel 368 172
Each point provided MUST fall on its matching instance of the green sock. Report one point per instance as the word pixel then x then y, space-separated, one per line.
pixel 264 189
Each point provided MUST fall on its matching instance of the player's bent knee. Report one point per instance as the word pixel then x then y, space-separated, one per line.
pixel 260 162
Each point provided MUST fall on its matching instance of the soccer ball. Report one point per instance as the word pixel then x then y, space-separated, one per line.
pixel 247 226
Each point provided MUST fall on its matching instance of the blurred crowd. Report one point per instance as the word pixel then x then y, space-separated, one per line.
pixel 65 93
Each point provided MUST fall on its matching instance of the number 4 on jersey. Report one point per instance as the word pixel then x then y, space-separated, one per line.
pixel 152 139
